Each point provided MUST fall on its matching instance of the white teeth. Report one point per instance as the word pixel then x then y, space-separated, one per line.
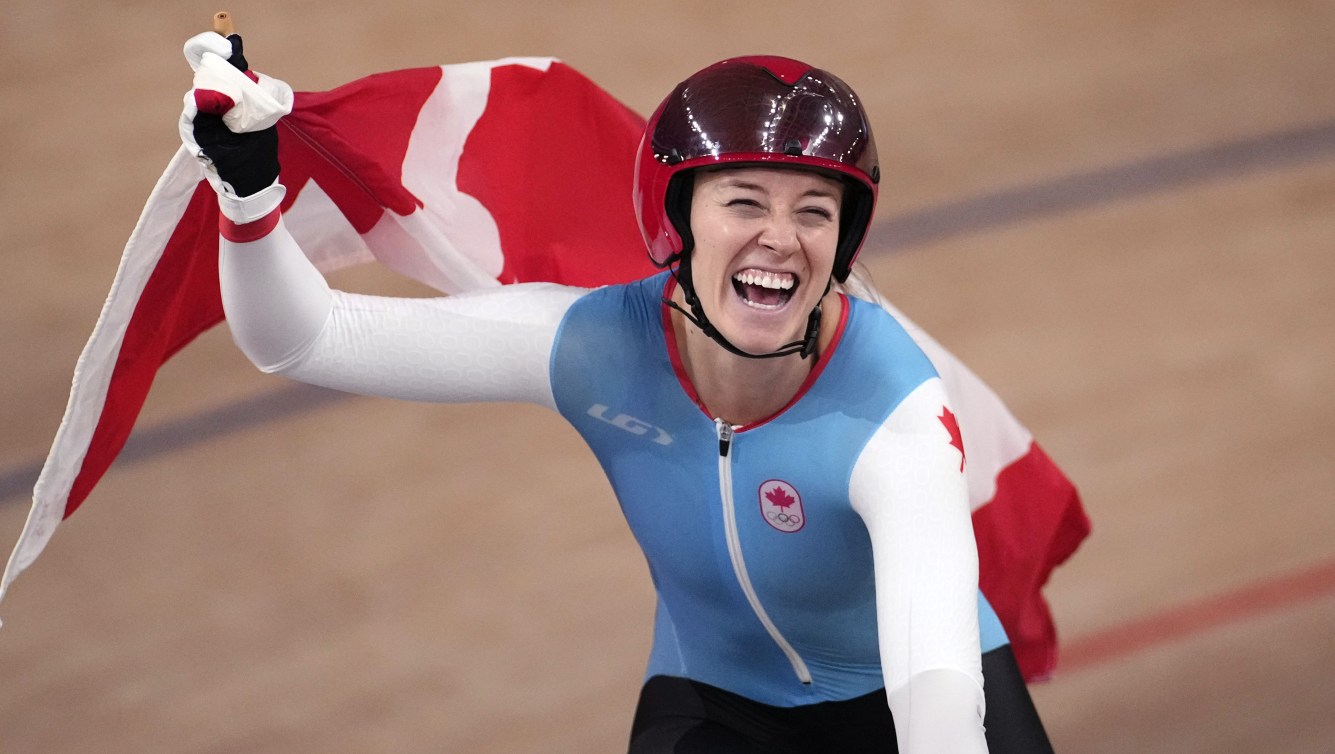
pixel 781 281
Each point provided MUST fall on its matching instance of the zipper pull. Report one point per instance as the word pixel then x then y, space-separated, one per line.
pixel 724 437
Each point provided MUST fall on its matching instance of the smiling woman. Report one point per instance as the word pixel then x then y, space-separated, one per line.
pixel 771 233
pixel 817 580
pixel 761 273
pixel 751 112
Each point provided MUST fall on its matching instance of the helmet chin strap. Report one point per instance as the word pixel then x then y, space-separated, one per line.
pixel 804 347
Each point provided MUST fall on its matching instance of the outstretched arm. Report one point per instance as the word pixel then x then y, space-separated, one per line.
pixel 491 345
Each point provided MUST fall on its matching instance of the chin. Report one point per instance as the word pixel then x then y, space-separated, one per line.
pixel 762 332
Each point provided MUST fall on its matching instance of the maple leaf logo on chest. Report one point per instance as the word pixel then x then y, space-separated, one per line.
pixel 781 506
pixel 780 498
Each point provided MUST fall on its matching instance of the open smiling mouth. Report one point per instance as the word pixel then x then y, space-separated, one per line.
pixel 760 289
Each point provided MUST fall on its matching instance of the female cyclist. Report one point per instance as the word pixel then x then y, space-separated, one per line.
pixel 785 455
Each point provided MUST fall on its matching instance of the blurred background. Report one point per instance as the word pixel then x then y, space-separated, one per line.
pixel 1121 214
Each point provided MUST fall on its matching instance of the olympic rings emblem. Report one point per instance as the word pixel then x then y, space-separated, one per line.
pixel 781 506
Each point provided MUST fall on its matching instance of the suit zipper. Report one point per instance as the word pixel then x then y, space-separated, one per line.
pixel 735 551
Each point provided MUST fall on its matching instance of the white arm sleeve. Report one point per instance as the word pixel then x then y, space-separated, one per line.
pixel 491 345
pixel 908 487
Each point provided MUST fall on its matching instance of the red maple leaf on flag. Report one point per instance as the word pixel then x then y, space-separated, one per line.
pixel 953 427
pixel 780 498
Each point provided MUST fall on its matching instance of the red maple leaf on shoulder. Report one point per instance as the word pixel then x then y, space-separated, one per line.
pixel 780 498
pixel 948 419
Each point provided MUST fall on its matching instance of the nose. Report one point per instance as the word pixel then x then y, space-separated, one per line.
pixel 779 235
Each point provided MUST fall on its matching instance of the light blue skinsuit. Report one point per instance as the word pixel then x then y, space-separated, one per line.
pixel 696 494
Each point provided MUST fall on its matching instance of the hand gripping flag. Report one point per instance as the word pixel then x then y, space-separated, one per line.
pixel 465 177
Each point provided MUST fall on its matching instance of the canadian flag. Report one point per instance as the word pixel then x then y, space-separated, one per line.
pixel 465 177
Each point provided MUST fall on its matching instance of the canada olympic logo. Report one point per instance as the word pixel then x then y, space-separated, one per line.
pixel 781 506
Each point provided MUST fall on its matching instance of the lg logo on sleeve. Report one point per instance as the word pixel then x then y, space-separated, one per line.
pixel 630 424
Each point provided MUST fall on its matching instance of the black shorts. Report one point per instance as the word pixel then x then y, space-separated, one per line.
pixel 681 716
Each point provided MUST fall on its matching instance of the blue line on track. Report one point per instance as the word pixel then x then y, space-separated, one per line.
pixel 145 443
pixel 989 211
pixel 1015 205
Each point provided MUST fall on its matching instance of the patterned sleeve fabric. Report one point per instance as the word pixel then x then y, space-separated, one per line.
pixel 490 345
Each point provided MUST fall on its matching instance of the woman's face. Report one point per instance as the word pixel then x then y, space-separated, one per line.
pixel 765 240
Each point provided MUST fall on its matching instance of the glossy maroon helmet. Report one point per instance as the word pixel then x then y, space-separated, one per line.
pixel 759 109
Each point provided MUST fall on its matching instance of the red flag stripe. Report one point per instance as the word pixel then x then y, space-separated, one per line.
pixel 1033 524
pixel 179 301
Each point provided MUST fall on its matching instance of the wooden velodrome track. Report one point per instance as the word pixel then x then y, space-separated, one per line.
pixel 1120 214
